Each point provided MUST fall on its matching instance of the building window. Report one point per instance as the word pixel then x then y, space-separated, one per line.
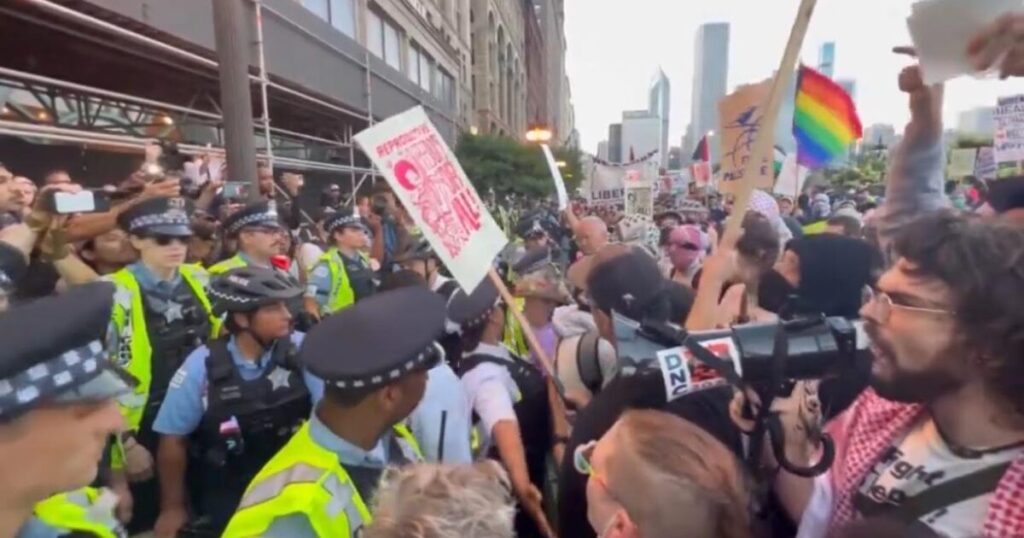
pixel 419 67
pixel 444 88
pixel 392 44
pixel 383 39
pixel 343 16
pixel 318 7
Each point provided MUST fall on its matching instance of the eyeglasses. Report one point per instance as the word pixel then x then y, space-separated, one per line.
pixel 164 240
pixel 581 458
pixel 884 305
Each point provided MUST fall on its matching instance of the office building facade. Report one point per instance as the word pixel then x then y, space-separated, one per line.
pixel 710 79
pixel 660 104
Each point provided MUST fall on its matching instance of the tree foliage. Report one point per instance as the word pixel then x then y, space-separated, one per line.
pixel 509 166
pixel 868 169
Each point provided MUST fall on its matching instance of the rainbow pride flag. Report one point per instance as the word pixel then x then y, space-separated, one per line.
pixel 825 120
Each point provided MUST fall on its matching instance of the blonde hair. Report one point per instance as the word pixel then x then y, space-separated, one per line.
pixel 674 479
pixel 443 501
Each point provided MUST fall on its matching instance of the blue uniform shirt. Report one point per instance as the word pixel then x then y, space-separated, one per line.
pixel 445 398
pixel 185 403
pixel 297 525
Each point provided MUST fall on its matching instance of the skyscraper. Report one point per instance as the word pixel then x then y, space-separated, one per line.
pixel 615 143
pixel 641 134
pixel 710 78
pixel 659 104
pixel 827 59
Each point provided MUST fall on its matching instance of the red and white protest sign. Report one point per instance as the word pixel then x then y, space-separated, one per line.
pixel 427 178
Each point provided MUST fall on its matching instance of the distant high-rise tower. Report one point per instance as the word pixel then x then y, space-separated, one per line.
pixel 615 143
pixel 710 78
pixel 827 59
pixel 660 104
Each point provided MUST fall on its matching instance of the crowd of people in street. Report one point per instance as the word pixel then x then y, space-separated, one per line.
pixel 192 363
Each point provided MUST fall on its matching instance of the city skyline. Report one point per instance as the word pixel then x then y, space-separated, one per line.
pixel 611 75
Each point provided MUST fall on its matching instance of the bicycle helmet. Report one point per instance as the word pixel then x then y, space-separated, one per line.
pixel 245 289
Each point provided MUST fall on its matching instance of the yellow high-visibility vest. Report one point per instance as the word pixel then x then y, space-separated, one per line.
pixel 306 478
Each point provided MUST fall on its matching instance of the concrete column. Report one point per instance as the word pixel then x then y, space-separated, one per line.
pixel 231 30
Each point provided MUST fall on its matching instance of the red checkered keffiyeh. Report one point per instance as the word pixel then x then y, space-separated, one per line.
pixel 865 430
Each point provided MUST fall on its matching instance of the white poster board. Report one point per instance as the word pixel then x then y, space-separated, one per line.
pixel 961 162
pixel 791 177
pixel 427 178
pixel 640 199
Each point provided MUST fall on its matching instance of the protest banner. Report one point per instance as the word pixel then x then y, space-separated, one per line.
pixel 556 175
pixel 1009 135
pixel 985 164
pixel 639 199
pixel 741 119
pixel 791 178
pixel 430 183
pixel 608 180
pixel 961 162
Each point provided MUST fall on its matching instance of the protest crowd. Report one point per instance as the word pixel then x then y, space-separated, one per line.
pixel 198 363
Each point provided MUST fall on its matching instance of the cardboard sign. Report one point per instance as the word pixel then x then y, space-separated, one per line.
pixel 640 199
pixel 740 116
pixel 1009 134
pixel 985 164
pixel 427 178
pixel 961 162
pixel 701 173
pixel 683 374
pixel 556 174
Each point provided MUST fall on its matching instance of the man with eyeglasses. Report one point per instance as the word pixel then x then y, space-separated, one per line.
pixel 937 442
pixel 259 235
pixel 161 313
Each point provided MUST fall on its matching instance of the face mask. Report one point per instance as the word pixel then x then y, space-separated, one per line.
pixel 774 291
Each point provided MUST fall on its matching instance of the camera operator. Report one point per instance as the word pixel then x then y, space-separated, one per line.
pixel 937 443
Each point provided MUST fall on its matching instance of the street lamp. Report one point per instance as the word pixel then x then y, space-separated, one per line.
pixel 539 134
pixel 561 164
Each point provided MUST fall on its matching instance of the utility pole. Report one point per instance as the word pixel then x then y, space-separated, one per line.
pixel 231 31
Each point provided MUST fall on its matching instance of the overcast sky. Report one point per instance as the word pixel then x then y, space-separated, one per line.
pixel 616 46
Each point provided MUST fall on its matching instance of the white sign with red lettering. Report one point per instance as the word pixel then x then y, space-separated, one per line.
pixel 427 178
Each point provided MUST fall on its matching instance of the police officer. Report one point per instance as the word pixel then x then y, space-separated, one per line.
pixel 161 313
pixel 374 359
pixel 343 274
pixel 57 409
pixel 419 257
pixel 509 400
pixel 233 403
pixel 259 235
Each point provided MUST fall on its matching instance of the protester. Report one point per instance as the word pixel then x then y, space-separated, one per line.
pixel 109 252
pixel 591 235
pixel 685 250
pixel 945 324
pixel 432 501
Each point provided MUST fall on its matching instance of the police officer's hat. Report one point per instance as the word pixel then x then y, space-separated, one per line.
pixel 69 364
pixel 378 340
pixel 530 227
pixel 158 216
pixel 473 309
pixel 533 260
pixel 262 214
pixel 340 220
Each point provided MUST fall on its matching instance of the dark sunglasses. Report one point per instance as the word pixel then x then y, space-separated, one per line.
pixel 164 240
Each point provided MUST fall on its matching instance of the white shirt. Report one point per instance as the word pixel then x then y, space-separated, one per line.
pixel 490 390
pixel 920 460
pixel 308 255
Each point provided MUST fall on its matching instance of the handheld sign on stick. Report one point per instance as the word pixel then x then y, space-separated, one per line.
pixel 430 182
pixel 763 144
